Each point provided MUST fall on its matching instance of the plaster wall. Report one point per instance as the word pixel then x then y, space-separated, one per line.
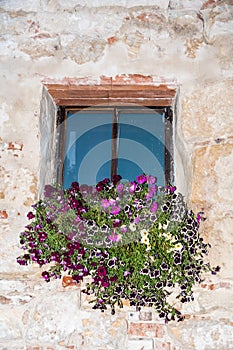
pixel 187 42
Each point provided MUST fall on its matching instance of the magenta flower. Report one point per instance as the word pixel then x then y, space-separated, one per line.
pixel 115 210
pixel 141 179
pixel 154 207
pixel 42 236
pixel 105 282
pixel 171 188
pixel 116 223
pixel 101 271
pixel 114 237
pixel 46 276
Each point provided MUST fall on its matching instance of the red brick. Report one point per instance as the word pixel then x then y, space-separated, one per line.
pixel 146 330
pixel 132 79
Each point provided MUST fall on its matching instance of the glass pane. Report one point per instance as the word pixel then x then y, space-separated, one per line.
pixel 88 147
pixel 141 145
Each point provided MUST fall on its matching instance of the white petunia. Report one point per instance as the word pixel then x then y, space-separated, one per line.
pixel 145 240
pixel 178 246
pixel 132 227
pixel 144 233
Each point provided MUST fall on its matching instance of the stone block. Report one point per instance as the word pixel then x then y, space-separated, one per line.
pixel 58 315
pixel 207 112
pixel 203 334
pixel 104 330
pixel 10 325
pixel 209 177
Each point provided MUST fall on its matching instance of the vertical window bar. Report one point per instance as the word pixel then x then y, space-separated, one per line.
pixel 61 141
pixel 114 162
pixel 169 177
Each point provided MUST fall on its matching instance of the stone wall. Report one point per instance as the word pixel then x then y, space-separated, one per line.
pixel 185 41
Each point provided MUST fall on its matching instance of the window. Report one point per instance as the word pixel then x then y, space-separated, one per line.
pixel 99 142
pixel 99 130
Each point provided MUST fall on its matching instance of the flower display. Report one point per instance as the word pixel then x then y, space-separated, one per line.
pixel 135 241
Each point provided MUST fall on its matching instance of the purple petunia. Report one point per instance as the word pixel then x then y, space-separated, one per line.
pixel 45 276
pixel 101 271
pixel 30 215
pixel 105 282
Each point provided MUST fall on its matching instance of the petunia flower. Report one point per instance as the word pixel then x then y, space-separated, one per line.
pixel 114 237
pixel 105 203
pixel 30 215
pixel 115 210
pixel 123 228
pixel 141 179
pixel 145 240
pixel 126 273
pixel 132 187
pixel 120 188
pixel 144 233
pixel 151 179
pixel 154 207
pixel 105 282
pixel 132 227
pixel 101 271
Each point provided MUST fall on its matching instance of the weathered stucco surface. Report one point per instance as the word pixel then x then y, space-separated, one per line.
pixel 189 42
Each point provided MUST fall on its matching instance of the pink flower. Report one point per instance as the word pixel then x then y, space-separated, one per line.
pixel 114 237
pixel 126 273
pixel 120 188
pixel 151 179
pixel 115 210
pixel 154 207
pixel 124 228
pixel 133 187
pixel 105 203
pixel 152 191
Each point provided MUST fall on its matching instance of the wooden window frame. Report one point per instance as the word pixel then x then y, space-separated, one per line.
pixel 85 96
